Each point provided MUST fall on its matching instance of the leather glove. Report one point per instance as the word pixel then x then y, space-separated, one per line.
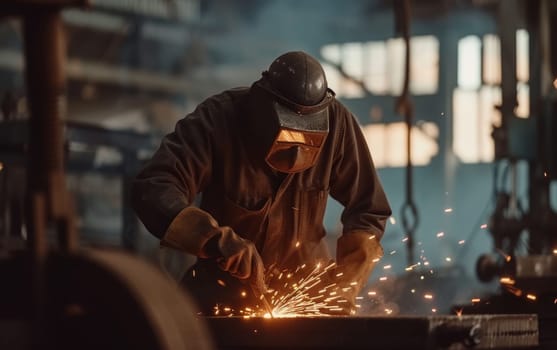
pixel 357 254
pixel 239 257
pixel 196 232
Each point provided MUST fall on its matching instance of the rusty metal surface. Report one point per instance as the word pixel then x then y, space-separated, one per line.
pixel 430 332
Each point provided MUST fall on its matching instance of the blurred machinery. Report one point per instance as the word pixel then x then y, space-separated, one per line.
pixel 528 276
pixel 531 140
pixel 54 294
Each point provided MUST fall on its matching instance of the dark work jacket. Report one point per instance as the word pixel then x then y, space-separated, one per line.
pixel 213 151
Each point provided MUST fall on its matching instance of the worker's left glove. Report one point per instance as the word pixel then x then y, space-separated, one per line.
pixel 357 254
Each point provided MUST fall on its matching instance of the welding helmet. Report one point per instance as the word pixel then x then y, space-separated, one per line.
pixel 292 100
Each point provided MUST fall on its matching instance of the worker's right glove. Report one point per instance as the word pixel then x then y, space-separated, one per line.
pixel 196 232
pixel 239 257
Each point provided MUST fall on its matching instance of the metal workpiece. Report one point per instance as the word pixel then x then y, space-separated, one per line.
pixel 344 332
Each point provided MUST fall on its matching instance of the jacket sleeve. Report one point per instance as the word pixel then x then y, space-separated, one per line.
pixel 177 172
pixel 355 184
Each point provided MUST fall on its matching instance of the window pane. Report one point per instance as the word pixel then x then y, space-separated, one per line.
pixel 492 60
pixel 465 125
pixel 522 54
pixel 331 53
pixel 523 95
pixel 375 68
pixel 469 62
pixel 424 69
pixel 375 138
pixel 395 65
pixel 352 65
pixel 489 115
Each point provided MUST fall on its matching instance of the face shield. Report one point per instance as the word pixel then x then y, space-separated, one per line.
pixel 298 132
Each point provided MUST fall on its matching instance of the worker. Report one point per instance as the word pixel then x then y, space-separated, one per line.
pixel 262 162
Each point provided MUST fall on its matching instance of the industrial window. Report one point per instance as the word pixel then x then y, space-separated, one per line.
pixel 479 92
pixel 377 67
pixel 387 143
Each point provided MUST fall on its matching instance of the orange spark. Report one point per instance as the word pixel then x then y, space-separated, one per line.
pixel 531 296
pixel 506 280
pixel 221 282
pixel 428 296
pixel 475 300
pixel 297 244
pixel 459 312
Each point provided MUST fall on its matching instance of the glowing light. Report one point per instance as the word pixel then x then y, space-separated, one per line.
pixel 1 166
pixel 297 244
pixel 461 242
pixel 422 277
pixel 193 273
pixel 388 311
pixel 413 291
pixel 405 239
pixel 459 312
pixel 555 251
pixel 371 237
pixel 386 267
pixel 428 296
pixel 555 83
pixel 375 260
pixel 506 280
pixel 545 174
pixel 475 300
pixel 221 282
pixel 383 278
pixel 392 252
pixel 531 296
pixel 426 263
pixel 243 294
pixel 375 293
pixel 392 220
pixel 301 298
pixel 433 310
pixel 483 226
pixel 448 259
pixel 440 234
pixel 448 210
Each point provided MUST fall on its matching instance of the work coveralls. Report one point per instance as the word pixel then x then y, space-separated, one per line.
pixel 213 151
